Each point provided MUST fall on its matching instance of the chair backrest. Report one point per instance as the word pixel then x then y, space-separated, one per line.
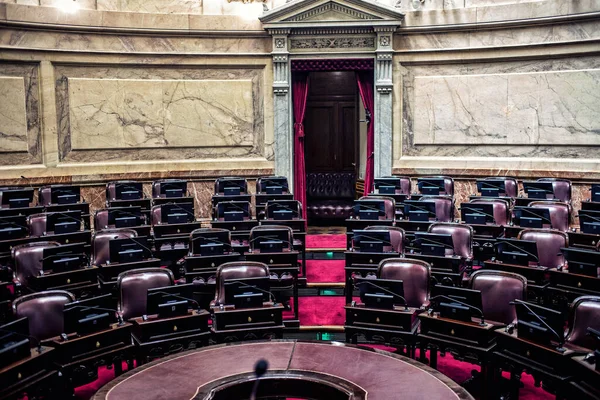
pixel 156 215
pixel 27 259
pixel 549 242
pixel 156 186
pixel 294 205
pixel 498 289
pixel 45 195
pixel 389 205
pixel 560 187
pixel 196 233
pixel 511 186
pixel 415 275
pixel 501 207
pixel 44 311
pixel 220 181
pixel 559 213
pixel 237 270
pixel 444 207
pixel 448 184
pixel 584 313
pixel 101 240
pixel 462 237
pixel 397 237
pixel 261 183
pixel 133 285
pixel 259 231
pixel 37 224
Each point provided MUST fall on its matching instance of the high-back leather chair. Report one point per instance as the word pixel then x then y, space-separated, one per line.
pixel 584 313
pixel 236 270
pixel 111 189
pixel 220 181
pixel 258 231
pixel 448 184
pixel 511 186
pixel 397 237
pixel 389 205
pixel 37 224
pixel 194 247
pixel 462 237
pixel 101 219
pixel 156 215
pixel 560 187
pixel 27 259
pixel 444 207
pixel 101 240
pixel 501 209
pixel 45 195
pixel 262 183
pixel 44 311
pixel 415 275
pixel 156 186
pixel 133 285
pixel 498 289
pixel 549 243
pixel 559 213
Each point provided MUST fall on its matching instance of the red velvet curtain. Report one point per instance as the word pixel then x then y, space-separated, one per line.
pixel 365 87
pixel 299 97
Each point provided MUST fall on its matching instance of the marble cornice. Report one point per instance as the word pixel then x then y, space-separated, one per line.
pixel 521 23
pixel 21 50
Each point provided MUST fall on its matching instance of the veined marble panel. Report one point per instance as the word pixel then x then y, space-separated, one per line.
pixel 548 108
pixel 13 115
pixel 120 114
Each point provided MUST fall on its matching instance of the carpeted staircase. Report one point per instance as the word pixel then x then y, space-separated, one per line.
pixel 321 310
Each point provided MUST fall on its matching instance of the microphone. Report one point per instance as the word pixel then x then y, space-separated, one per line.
pixel 561 339
pixel 366 282
pixel 260 368
pixel 233 181
pixel 120 320
pixel 420 238
pixel 37 343
pixel 232 204
pixel 28 181
pixel 482 322
pixel 422 181
pixel 245 285
pixel 372 238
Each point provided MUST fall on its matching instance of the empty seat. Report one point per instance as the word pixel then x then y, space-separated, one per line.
pixel 559 213
pixel 44 311
pixel 549 242
pixel 511 186
pixel 501 207
pixel 462 237
pixel 132 289
pixel 498 289
pixel 560 187
pixel 27 260
pixel 444 207
pixel 415 275
pixel 236 270
pixel 448 184
pixel 389 206
pixel 584 313
pixel 397 237
pixel 101 240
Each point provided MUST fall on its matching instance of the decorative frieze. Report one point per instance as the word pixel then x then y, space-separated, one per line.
pixel 333 43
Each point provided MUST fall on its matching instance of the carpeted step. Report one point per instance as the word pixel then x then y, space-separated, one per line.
pixel 335 242
pixel 325 271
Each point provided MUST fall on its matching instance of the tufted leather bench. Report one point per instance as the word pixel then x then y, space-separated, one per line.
pixel 330 195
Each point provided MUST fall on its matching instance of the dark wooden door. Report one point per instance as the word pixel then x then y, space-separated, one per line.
pixel 331 122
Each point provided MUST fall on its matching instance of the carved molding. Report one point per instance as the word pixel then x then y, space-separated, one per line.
pixel 331 7
pixel 333 43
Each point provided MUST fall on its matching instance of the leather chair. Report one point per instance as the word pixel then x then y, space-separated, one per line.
pixel 27 260
pixel 111 190
pixel 236 270
pixel 498 289
pixel 501 207
pixel 294 205
pixel 444 207
pixel 559 213
pixel 261 185
pixel 156 215
pixel 45 195
pixel 101 240
pixel 132 289
pixel 510 185
pixel 101 219
pixel 560 187
pixel 462 237
pixel 549 243
pixel 416 277
pixel 258 231
pixel 448 184
pixel 196 233
pixel 389 206
pixel 220 181
pixel 584 313
pixel 44 311
pixel 156 188
pixel 330 195
pixel 397 237
pixel 37 224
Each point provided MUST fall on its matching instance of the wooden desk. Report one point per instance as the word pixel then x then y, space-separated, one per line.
pixel 108 273
pixel 177 200
pixel 65 238
pixel 586 376
pixel 397 327
pixel 158 337
pixel 82 282
pixel 361 263
pixel 454 264
pixel 468 341
pixel 299 231
pixel 565 287
pixel 282 263
pixel 231 325
pixel 166 231
pixel 145 204
pixel 79 357
pixel 414 226
pixel 584 240
pixel 83 207
pixel 35 375
pixel 546 364
pixel 221 198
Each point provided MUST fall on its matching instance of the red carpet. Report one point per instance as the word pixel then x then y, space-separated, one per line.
pixel 325 271
pixel 326 242
pixel 321 310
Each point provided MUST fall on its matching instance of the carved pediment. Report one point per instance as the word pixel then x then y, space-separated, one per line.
pixel 331 13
